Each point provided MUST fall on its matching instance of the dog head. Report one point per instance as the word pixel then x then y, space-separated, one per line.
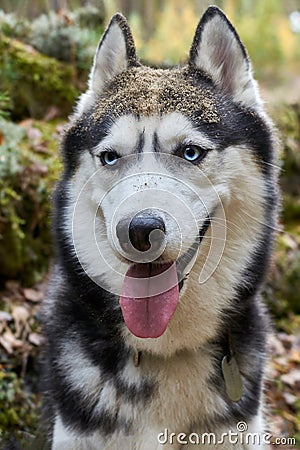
pixel 169 177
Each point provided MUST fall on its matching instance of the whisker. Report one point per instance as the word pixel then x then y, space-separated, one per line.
pixel 271 227
pixel 226 224
pixel 276 166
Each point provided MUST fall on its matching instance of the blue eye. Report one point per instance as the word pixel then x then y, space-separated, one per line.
pixel 193 153
pixel 109 158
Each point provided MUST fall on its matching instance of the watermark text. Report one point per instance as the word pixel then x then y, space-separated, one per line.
pixel 240 436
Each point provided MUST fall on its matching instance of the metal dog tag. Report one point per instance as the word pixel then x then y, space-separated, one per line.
pixel 232 378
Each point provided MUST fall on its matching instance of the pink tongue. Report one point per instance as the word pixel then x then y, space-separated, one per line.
pixel 149 298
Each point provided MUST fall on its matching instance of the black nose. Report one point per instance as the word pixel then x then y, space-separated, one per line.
pixel 142 232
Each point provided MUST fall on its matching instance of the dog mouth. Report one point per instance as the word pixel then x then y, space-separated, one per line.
pixel 150 292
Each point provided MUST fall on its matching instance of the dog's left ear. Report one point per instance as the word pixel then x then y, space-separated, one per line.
pixel 219 53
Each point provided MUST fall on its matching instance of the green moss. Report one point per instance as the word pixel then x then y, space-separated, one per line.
pixel 18 409
pixel 64 40
pixel 283 287
pixel 289 124
pixel 35 82
pixel 27 176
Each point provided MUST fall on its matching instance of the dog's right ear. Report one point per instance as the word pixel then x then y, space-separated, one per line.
pixel 115 53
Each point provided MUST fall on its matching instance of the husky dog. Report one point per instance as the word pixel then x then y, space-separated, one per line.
pixel 163 220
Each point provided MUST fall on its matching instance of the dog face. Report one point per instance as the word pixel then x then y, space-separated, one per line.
pixel 168 180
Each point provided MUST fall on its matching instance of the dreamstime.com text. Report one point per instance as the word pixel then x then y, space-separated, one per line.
pixel 239 437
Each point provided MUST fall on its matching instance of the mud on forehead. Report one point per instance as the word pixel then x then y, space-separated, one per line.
pixel 146 91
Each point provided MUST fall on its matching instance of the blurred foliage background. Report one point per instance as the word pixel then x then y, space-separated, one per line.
pixel 46 50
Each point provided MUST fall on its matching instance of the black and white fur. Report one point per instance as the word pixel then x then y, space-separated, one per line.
pixel 95 396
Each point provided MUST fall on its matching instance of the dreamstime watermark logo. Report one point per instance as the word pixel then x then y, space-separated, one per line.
pixel 167 186
pixel 239 436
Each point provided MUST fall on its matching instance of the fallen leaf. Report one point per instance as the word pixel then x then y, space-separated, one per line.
pixel 42 148
pixel 280 364
pixel 26 123
pixel 289 417
pixel 290 399
pixel 286 339
pixel 39 168
pixel 21 316
pixel 290 241
pixel 271 372
pixel 33 295
pixel 52 112
pixel 276 346
pixel 5 316
pixel 9 341
pixel 294 356
pixel 296 342
pixel 34 134
pixel 36 339
pixel 282 361
pixel 292 378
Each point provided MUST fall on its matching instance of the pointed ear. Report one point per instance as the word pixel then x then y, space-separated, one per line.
pixel 218 52
pixel 115 53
